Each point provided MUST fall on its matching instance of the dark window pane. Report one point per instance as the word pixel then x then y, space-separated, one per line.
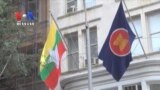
pixel 94 51
pixel 93 36
pixel 73 56
pixel 71 5
pixel 73 61
pixel 155 87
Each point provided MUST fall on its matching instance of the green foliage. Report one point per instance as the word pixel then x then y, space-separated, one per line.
pixel 6 9
pixel 2 7
pixel 11 36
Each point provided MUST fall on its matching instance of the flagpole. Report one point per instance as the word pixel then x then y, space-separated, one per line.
pixel 88 49
pixel 66 46
pixel 134 27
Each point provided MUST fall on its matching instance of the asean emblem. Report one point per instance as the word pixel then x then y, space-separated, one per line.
pixel 119 42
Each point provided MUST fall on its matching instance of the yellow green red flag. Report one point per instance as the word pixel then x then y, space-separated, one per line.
pixel 50 62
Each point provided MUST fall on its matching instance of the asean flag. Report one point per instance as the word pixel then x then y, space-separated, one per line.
pixel 115 53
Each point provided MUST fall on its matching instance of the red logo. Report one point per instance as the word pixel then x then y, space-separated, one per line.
pixel 119 42
pixel 18 16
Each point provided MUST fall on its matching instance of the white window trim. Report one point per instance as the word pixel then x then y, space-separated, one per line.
pixel 74 8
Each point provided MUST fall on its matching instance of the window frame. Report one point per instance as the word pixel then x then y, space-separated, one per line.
pixel 148 15
pixel 34 3
pixel 136 86
pixel 70 7
pixel 72 53
pixel 94 60
pixel 135 18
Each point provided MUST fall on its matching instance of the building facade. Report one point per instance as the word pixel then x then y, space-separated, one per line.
pixel 143 72
pixel 35 38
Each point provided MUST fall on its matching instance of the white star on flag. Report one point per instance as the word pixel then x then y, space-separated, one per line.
pixel 54 57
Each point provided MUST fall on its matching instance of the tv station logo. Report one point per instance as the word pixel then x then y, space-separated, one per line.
pixel 25 19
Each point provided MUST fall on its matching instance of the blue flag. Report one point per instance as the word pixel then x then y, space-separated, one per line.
pixel 30 16
pixel 115 52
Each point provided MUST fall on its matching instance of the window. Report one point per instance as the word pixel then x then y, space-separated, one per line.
pixel 133 87
pixel 73 59
pixel 154 27
pixel 155 87
pixel 32 5
pixel 93 43
pixel 90 3
pixel 136 48
pixel 71 6
pixel 114 88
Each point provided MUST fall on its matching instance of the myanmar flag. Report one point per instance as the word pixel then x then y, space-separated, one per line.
pixel 50 62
